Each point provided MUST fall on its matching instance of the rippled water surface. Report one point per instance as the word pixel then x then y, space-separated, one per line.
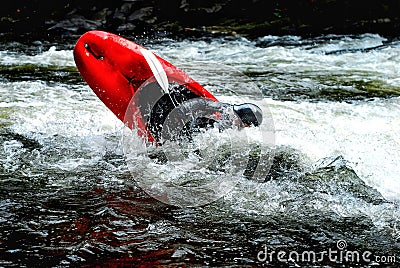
pixel 69 198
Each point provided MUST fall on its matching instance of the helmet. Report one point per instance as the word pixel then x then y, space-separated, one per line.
pixel 249 113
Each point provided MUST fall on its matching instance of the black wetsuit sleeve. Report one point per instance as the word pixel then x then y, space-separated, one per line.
pixel 181 108
pixel 180 113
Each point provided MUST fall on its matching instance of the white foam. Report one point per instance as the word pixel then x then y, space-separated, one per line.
pixel 52 57
pixel 365 133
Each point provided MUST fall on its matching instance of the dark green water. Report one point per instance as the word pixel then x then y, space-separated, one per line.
pixel 69 198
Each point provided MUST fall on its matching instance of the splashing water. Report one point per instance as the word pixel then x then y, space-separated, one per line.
pixel 67 193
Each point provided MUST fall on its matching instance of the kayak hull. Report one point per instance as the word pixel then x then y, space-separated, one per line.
pixel 115 69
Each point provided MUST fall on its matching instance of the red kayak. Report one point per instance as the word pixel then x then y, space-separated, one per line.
pixel 116 68
pixel 150 94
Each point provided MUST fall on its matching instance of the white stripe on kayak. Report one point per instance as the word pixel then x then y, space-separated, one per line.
pixel 156 68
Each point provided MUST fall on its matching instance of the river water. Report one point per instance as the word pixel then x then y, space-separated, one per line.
pixel 68 197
